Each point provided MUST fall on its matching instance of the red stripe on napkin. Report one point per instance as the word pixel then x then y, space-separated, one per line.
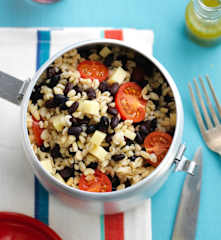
pixel 114 34
pixel 114 227
pixel 114 224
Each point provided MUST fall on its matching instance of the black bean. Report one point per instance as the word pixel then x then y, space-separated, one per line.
pixel 73 107
pixel 168 98
pixel 55 151
pixel 99 48
pixel 137 123
pixel 44 149
pixel 150 125
pixel 36 94
pixel 127 183
pixel 146 122
pixel 123 59
pixel 146 64
pixel 156 103
pixel 74 122
pixel 128 141
pixel 114 122
pixel 112 110
pixel 171 131
pixel 153 124
pixel 68 87
pixel 139 138
pixel 143 149
pixel 144 129
pixel 51 71
pixel 115 182
pixel 50 103
pixel 93 165
pixel 83 53
pixel 118 157
pixel 138 74
pixel 66 173
pixel 63 107
pixel 158 90
pixel 54 81
pixel 108 138
pixel 91 94
pixel 76 131
pixel 104 124
pixel 146 164
pixel 103 87
pixel 60 99
pixel 106 148
pixel 114 88
pixel 132 158
pixel 109 176
pixel 109 59
pixel 91 129
pixel 72 153
pixel 77 89
pixel 85 120
pixel 149 69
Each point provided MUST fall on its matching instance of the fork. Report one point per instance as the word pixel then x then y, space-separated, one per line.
pixel 211 131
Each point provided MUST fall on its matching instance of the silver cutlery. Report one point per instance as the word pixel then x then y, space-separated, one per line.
pixel 187 214
pixel 210 127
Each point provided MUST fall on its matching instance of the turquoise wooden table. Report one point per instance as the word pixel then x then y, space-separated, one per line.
pixel 183 59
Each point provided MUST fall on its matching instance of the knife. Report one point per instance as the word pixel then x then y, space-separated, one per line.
pixel 186 218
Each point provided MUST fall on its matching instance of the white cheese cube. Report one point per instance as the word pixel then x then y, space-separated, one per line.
pixel 98 152
pixel 117 76
pixel 98 137
pixel 58 122
pixel 129 134
pixel 47 166
pixel 105 52
pixel 80 106
pixel 90 107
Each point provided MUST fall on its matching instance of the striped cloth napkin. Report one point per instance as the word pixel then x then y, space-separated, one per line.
pixel 22 51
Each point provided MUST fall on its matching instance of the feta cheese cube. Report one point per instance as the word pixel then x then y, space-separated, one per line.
pixel 117 76
pixel 98 137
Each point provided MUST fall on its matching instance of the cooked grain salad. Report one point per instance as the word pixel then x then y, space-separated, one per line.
pixel 102 119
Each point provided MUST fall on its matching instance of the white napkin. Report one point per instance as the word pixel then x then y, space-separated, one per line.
pixel 18 51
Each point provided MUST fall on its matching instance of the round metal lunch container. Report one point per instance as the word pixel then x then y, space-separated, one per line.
pixel 19 92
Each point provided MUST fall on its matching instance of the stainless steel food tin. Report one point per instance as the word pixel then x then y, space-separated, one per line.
pixel 19 92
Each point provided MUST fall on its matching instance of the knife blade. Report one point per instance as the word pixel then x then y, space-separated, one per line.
pixel 187 214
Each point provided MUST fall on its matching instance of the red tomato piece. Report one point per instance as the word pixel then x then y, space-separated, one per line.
pixel 37 131
pixel 158 143
pixel 93 70
pixel 130 103
pixel 100 183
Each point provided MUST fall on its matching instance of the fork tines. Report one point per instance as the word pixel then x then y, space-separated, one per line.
pixel 206 115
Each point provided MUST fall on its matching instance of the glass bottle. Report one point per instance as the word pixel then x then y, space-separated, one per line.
pixel 203 21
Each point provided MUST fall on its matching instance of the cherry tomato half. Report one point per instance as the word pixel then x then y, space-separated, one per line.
pixel 93 70
pixel 130 103
pixel 100 183
pixel 158 143
pixel 37 131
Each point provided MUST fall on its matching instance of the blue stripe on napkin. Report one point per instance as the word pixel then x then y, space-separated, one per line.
pixel 102 237
pixel 41 195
